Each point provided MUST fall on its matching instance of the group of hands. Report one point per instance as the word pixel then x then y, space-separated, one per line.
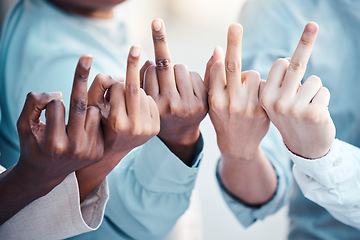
pixel 115 116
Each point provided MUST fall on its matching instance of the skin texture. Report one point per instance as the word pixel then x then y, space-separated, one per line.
pixel 129 118
pixel 240 124
pixel 49 152
pixel 180 95
pixel 102 9
pixel 300 112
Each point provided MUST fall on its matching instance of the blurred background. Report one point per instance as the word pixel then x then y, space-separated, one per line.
pixel 194 28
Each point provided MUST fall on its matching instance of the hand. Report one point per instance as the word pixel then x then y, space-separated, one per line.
pixel 299 112
pixel 239 120
pixel 129 118
pixel 180 96
pixel 240 124
pixel 53 150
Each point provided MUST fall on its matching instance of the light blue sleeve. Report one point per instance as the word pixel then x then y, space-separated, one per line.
pixel 267 38
pixel 149 190
pixel 274 151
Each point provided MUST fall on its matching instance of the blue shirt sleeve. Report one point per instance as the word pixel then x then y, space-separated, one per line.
pixel 149 190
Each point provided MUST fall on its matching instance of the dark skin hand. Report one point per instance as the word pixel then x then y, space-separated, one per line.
pixel 180 96
pixel 129 118
pixel 49 152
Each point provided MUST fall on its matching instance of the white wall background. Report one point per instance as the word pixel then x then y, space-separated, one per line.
pixel 194 28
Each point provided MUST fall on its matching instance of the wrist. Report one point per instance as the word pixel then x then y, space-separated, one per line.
pixel 187 137
pixel 240 155
pixel 30 181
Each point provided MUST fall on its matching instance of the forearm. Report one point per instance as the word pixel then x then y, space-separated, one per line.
pixel 18 189
pixel 253 181
pixel 89 178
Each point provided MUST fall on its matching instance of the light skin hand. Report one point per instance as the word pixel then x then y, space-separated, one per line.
pixel 240 124
pixel 49 152
pixel 300 112
pixel 129 117
pixel 180 96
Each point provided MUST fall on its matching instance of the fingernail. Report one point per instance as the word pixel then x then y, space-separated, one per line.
pixel 135 51
pixel 86 60
pixel 235 28
pixel 157 24
pixel 310 28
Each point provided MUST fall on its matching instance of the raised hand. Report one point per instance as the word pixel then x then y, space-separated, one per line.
pixel 239 120
pixel 53 150
pixel 180 96
pixel 129 118
pixel 300 112
pixel 240 124
pixel 50 151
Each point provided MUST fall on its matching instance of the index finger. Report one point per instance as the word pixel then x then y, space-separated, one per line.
pixel 162 56
pixel 35 103
pixel 79 97
pixel 300 58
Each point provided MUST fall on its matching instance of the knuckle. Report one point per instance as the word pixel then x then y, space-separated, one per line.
pixel 216 104
pixel 305 40
pixel 159 38
pixel 32 97
pixel 295 110
pixel 76 151
pixel 309 114
pixel 232 66
pixel 100 78
pixel 79 105
pixel 132 89
pixel 250 110
pixel 56 103
pixel 93 111
pixel 118 126
pixel 56 148
pixel 254 75
pixel 174 108
pixel 326 91
pixel 296 65
pixel 136 129
pixel 163 64
pixel 235 108
pixel 81 74
pixel 280 106
pixel 315 80
pixel 181 67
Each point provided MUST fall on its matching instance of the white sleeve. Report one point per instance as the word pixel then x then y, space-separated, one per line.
pixel 332 181
pixel 58 214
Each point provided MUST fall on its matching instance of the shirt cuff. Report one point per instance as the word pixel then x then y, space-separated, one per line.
pixel 58 215
pixel 93 206
pixel 158 169
pixel 333 168
pixel 246 214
